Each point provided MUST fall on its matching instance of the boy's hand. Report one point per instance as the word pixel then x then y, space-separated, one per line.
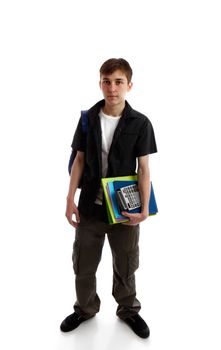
pixel 134 219
pixel 71 209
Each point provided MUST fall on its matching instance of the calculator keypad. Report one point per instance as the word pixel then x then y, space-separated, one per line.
pixel 131 196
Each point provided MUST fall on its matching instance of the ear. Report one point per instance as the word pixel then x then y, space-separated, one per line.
pixel 100 84
pixel 130 85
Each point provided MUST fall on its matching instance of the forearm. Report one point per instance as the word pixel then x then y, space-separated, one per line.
pixel 144 188
pixel 76 174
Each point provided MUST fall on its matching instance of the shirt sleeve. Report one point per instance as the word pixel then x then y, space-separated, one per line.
pixel 79 139
pixel 146 143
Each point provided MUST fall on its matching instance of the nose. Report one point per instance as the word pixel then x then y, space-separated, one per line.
pixel 112 86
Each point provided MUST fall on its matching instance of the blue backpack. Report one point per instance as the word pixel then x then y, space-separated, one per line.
pixel 74 152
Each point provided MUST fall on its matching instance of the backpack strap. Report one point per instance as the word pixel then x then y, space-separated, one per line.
pixel 84 121
pixel 85 129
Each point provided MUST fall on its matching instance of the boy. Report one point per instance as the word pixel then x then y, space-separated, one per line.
pixel 118 140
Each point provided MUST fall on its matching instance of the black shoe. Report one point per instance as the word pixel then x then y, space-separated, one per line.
pixel 71 322
pixel 138 325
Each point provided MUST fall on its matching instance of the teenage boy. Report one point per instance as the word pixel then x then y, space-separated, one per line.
pixel 117 142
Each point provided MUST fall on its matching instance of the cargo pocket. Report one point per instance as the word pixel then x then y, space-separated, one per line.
pixel 75 257
pixel 133 262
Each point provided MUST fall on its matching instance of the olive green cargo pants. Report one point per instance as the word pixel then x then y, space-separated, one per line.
pixel 87 250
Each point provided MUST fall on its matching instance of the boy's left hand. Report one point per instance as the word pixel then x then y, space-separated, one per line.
pixel 134 219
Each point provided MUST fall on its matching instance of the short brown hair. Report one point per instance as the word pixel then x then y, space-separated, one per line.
pixel 113 64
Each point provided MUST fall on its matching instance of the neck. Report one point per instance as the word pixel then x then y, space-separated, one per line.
pixel 115 111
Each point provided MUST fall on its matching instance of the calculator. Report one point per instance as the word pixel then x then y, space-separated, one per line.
pixel 128 197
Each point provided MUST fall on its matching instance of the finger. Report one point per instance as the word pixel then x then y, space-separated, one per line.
pixel 74 224
pixel 129 223
pixel 125 213
pixel 77 216
pixel 71 222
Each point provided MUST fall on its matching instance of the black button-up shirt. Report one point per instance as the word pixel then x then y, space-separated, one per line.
pixel 133 138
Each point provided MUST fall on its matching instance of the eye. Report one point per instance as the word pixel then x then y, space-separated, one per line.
pixel 106 82
pixel 118 82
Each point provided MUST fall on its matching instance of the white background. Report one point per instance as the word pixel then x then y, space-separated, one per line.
pixel 51 52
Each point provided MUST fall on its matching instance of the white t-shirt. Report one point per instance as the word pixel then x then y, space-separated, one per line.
pixel 108 126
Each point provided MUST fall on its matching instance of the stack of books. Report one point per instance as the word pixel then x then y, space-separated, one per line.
pixel 122 194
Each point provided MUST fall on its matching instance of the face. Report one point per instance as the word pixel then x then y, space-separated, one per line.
pixel 114 87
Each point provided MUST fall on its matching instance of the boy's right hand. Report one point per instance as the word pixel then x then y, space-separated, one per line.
pixel 71 209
